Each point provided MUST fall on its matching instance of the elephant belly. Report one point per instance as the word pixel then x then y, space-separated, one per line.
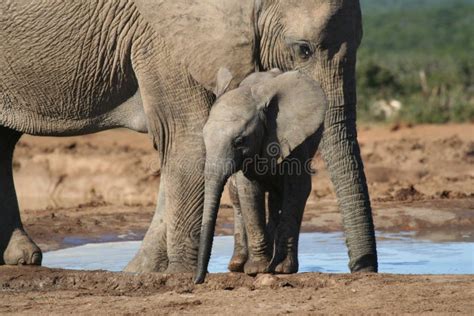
pixel 129 114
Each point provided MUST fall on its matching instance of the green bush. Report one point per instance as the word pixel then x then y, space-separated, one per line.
pixel 420 53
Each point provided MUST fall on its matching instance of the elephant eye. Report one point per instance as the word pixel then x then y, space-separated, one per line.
pixel 238 142
pixel 304 51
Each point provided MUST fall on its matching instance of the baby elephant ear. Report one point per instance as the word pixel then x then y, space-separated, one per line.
pixel 295 108
pixel 224 78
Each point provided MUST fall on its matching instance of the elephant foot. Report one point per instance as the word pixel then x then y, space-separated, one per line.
pixel 180 268
pixel 237 263
pixel 21 250
pixel 256 266
pixel 288 266
pixel 143 262
pixel 364 264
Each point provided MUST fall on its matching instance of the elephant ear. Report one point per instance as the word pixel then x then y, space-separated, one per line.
pixel 224 78
pixel 293 106
pixel 258 77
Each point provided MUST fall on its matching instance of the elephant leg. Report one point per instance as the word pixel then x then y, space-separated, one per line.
pixel 184 201
pixel 16 247
pixel 152 255
pixel 176 108
pixel 297 190
pixel 171 242
pixel 240 255
pixel 252 202
pixel 274 212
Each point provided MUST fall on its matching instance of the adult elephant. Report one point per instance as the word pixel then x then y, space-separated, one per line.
pixel 149 65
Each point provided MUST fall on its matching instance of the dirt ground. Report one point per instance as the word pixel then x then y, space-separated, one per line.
pixel 43 291
pixel 103 187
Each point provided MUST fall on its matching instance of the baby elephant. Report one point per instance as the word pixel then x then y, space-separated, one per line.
pixel 269 129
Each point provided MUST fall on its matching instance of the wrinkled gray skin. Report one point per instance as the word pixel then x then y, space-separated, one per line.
pixel 70 68
pixel 266 128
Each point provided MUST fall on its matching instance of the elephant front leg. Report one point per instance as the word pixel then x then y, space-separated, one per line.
pixel 252 202
pixel 184 205
pixel 240 255
pixel 296 192
pixel 152 256
pixel 16 247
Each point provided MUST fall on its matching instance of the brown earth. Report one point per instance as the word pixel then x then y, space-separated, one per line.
pixel 103 187
pixel 49 291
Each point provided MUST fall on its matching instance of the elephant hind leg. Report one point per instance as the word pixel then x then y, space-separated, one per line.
pixel 16 247
pixel 240 255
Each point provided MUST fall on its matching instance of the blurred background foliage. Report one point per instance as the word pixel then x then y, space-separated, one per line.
pixel 419 55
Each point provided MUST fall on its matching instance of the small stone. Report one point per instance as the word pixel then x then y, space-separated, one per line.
pixel 263 280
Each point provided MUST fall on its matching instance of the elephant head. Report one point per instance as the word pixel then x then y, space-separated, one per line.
pixel 269 110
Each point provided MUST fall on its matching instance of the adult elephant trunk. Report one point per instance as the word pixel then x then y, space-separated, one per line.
pixel 341 153
pixel 214 185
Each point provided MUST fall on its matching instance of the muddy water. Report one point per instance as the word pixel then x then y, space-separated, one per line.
pixel 319 252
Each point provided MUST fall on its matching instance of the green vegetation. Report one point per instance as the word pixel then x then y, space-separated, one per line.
pixel 420 52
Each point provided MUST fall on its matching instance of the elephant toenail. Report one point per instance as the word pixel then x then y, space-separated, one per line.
pixel 21 262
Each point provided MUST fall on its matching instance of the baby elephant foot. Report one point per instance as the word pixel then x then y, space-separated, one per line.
pixel 21 250
pixel 237 263
pixel 288 266
pixel 256 266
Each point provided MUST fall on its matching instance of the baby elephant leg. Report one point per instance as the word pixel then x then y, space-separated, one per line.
pixel 297 190
pixel 240 255
pixel 15 245
pixel 274 213
pixel 252 203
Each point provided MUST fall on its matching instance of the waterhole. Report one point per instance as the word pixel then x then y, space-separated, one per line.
pixel 319 252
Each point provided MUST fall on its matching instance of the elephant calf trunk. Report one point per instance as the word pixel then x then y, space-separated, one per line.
pixel 205 247
pixel 212 198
